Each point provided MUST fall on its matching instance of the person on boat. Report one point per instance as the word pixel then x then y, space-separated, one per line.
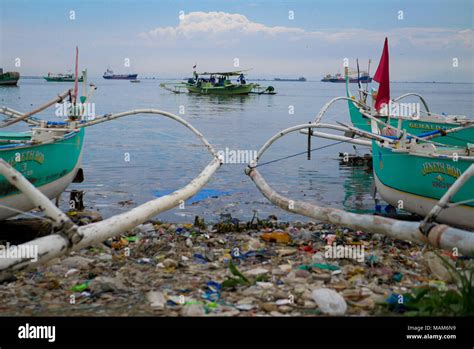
pixel 242 79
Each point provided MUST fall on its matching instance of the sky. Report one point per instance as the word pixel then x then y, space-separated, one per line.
pixel 429 40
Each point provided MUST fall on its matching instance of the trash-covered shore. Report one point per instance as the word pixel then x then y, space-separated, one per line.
pixel 232 268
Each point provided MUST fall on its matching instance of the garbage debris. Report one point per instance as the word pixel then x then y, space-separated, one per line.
pixel 106 284
pixel 329 301
pixel 156 299
pixel 193 309
pixel 276 236
pixel 261 268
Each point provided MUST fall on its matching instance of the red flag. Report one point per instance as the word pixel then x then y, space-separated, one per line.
pixel 382 76
pixel 76 77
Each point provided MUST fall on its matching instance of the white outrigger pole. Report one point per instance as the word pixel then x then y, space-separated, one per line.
pixel 426 232
pixel 69 237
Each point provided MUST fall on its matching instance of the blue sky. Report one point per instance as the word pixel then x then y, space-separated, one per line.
pixel 260 34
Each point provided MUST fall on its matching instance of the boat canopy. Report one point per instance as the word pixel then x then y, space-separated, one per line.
pixel 230 73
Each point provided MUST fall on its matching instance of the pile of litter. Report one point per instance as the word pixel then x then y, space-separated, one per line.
pixel 242 269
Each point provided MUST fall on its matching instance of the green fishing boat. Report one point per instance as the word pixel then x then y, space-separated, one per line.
pixel 218 84
pixel 62 78
pixel 48 158
pixel 404 116
pixel 415 176
pixel 9 78
pixel 360 118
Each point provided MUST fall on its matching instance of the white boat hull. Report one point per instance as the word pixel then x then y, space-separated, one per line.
pixel 459 216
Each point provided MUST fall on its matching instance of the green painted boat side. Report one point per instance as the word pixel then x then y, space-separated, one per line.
pixel 415 127
pixel 61 79
pixel 41 164
pixel 230 89
pixel 422 176
pixel 15 135
pixel 9 78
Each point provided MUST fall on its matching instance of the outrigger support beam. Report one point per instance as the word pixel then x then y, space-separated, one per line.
pixel 108 117
pixel 14 114
pixel 58 244
pixel 416 95
pixel 441 236
pixel 25 116
pixel 325 108
pixel 334 137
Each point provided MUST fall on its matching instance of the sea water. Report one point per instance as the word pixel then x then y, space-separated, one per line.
pixel 137 158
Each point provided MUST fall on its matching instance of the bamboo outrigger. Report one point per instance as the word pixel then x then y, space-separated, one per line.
pixel 438 235
pixel 67 236
pixel 432 204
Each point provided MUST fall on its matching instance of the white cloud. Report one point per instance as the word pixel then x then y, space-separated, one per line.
pixel 197 24
pixel 220 27
pixel 214 39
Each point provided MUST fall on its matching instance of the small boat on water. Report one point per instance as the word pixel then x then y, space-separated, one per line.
pixel 135 81
pixel 407 116
pixel 9 78
pixel 110 75
pixel 363 78
pixel 218 83
pixel 68 77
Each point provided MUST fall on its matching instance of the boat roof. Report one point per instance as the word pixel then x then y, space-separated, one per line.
pixel 228 73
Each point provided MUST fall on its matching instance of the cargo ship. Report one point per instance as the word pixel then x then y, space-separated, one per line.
pixel 364 77
pixel 9 78
pixel 109 74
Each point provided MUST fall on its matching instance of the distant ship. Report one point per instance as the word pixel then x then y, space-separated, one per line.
pixel 299 79
pixel 109 74
pixel 9 78
pixel 61 78
pixel 364 77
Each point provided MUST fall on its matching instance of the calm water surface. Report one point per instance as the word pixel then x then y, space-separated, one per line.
pixel 165 156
